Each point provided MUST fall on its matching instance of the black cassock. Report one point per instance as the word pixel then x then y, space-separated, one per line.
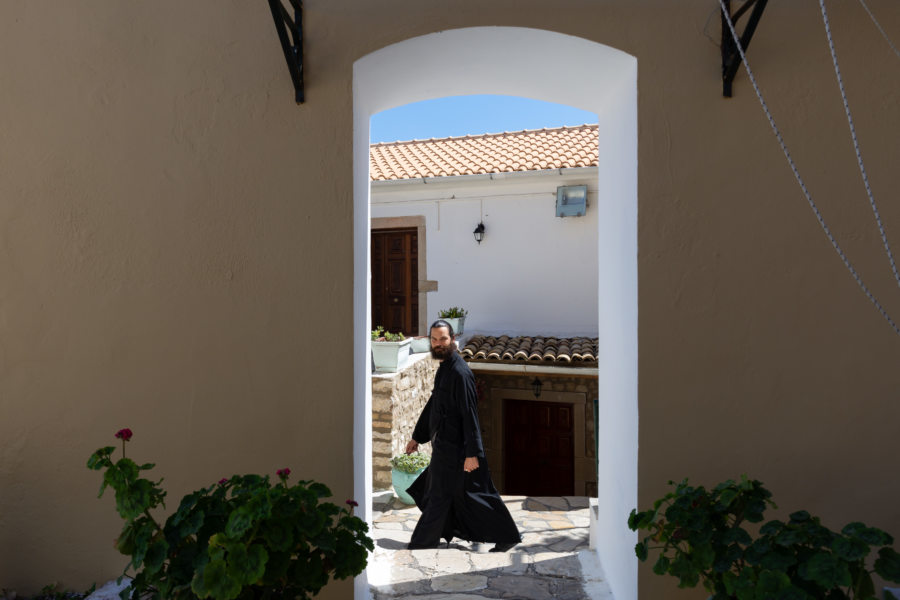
pixel 455 503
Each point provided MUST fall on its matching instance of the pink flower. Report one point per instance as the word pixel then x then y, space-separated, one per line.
pixel 353 503
pixel 283 473
pixel 124 434
pixel 223 481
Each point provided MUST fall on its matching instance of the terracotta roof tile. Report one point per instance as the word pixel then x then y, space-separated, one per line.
pixel 528 150
pixel 574 351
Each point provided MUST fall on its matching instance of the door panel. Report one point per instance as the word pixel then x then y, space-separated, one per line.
pixel 539 447
pixel 395 289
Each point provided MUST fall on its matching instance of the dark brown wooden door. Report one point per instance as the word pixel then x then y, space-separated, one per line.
pixel 395 282
pixel 539 447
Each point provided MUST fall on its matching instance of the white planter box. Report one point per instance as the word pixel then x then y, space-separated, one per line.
pixel 419 345
pixel 390 356
pixel 456 323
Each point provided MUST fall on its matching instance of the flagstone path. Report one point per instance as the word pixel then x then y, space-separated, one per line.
pixel 552 562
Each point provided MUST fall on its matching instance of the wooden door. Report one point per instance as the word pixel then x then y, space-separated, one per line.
pixel 395 280
pixel 539 448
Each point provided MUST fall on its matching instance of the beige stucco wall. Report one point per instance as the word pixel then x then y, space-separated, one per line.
pixel 176 239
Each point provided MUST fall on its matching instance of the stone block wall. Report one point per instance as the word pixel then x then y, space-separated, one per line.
pixel 397 400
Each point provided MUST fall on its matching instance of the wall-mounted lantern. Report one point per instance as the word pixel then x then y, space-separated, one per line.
pixel 571 200
pixel 479 233
pixel 536 386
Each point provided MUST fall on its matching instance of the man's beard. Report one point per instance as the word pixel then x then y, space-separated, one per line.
pixel 443 352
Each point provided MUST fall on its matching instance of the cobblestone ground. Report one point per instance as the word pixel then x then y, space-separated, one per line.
pixel 545 566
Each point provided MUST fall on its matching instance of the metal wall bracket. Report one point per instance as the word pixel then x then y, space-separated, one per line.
pixel 731 58
pixel 293 45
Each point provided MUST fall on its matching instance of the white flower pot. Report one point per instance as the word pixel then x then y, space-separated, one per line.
pixel 456 323
pixel 389 357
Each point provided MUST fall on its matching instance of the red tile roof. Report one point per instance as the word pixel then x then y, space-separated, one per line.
pixel 528 150
pixel 574 351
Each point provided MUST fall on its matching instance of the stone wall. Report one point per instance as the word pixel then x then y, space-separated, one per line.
pixel 397 400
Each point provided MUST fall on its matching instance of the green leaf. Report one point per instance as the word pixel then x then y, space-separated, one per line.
pixel 156 556
pixel 778 559
pixel 789 537
pixel 772 582
pixel 277 536
pixel 771 528
pixel 826 570
pixel 800 516
pixel 864 587
pixel 191 524
pixel 742 585
pixel 100 458
pixel 133 500
pixel 792 592
pixel 247 565
pixel 662 565
pixel 703 556
pixel 737 535
pixel 888 564
pixel 239 522
pixel 276 567
pixel 869 535
pixel 849 549
pixel 215 581
pixel 640 549
pixel 728 496
pixel 685 571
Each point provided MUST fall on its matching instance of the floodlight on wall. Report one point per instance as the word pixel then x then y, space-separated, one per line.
pixel 479 233
pixel 571 200
pixel 536 386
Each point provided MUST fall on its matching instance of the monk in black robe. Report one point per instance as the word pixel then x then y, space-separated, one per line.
pixel 455 493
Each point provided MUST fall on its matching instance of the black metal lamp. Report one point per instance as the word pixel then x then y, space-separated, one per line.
pixel 536 386
pixel 479 233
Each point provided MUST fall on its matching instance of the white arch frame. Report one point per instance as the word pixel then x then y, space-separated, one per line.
pixel 545 66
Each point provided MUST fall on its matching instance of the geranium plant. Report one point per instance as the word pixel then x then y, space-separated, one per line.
pixel 410 463
pixel 243 537
pixel 700 535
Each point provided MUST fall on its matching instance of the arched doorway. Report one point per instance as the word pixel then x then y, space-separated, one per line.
pixel 556 68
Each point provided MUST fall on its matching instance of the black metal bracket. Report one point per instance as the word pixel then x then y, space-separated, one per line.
pixel 293 45
pixel 731 58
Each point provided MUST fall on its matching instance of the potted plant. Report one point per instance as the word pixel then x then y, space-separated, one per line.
pixel 243 537
pixel 389 350
pixel 405 468
pixel 456 316
pixel 701 537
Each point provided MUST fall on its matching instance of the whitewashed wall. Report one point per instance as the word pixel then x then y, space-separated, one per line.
pixel 534 273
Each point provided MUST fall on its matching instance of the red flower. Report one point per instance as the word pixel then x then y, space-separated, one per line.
pixel 283 473
pixel 124 434
pixel 353 503
pixel 223 481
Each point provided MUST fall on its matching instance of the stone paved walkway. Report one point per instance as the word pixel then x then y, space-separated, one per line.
pixel 552 562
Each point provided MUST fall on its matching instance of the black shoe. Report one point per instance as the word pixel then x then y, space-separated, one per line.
pixel 503 547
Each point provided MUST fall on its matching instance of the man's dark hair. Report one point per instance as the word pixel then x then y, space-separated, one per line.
pixel 442 323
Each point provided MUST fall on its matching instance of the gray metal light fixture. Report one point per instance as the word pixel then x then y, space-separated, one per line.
pixel 536 386
pixel 479 233
pixel 571 200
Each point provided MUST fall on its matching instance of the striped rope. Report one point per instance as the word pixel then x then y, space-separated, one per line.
pixel 799 179
pixel 878 25
pixel 859 160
